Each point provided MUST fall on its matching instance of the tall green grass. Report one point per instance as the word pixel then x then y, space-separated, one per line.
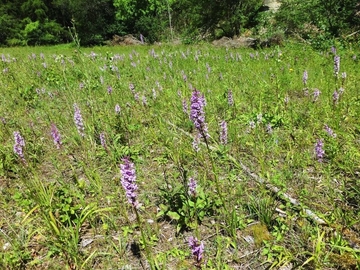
pixel 66 207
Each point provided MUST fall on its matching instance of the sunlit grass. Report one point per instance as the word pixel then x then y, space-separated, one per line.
pixel 62 204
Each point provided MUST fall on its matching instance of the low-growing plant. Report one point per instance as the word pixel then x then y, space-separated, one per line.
pixel 187 210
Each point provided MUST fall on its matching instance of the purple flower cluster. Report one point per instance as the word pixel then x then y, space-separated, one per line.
pixel 197 114
pixel 132 88
pixel 336 65
pixel 128 179
pixel 319 150
pixel 103 140
pixel 286 100
pixel 184 76
pixel 185 106
pixel 223 132
pixel 305 77
pixel 336 97
pixel 79 121
pixel 230 98
pixel 269 129
pixel 117 109
pixel 56 136
pixel 316 94
pixel 197 248
pixel 192 187
pixel 195 143
pixel 333 50
pixel 18 145
pixel 329 131
pixel 144 101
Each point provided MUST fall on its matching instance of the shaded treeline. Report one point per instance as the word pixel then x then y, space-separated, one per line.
pixel 41 22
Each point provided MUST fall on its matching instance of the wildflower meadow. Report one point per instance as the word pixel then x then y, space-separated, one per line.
pixel 179 157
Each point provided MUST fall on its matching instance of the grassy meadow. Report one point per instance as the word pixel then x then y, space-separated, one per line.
pixel 260 169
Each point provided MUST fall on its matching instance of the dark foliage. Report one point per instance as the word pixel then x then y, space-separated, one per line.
pixel 41 22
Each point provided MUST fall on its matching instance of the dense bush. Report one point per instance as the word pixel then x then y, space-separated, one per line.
pixel 38 22
pixel 318 20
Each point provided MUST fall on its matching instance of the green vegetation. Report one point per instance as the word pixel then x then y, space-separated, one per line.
pixel 46 22
pixel 261 165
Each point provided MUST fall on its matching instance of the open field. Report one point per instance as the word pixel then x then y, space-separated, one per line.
pixel 254 153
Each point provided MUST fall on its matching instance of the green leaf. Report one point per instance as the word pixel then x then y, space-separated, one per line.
pixel 173 215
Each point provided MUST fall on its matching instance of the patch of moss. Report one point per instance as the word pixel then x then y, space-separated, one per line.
pixel 344 261
pixel 260 233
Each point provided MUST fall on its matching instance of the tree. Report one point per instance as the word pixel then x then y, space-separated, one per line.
pixel 94 20
pixel 331 17
pixel 217 18
pixel 150 18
